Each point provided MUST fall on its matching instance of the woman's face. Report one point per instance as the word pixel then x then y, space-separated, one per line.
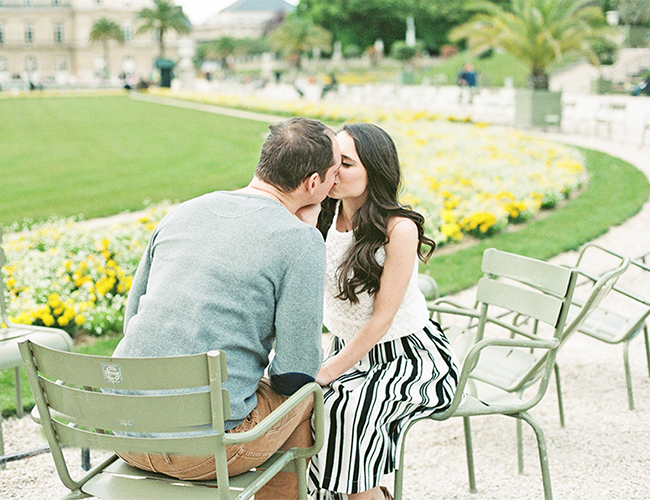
pixel 352 180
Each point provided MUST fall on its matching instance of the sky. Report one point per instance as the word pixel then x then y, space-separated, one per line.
pixel 200 10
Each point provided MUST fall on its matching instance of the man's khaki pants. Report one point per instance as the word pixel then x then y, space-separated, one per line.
pixel 294 430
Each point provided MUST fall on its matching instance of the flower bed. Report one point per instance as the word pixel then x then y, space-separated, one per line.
pixel 467 179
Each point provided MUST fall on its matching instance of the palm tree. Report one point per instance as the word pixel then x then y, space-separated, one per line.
pixel 537 32
pixel 297 35
pixel 105 30
pixel 164 17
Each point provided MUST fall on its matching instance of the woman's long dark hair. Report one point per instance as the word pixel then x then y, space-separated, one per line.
pixel 360 271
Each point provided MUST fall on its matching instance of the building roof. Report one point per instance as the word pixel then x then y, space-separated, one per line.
pixel 260 6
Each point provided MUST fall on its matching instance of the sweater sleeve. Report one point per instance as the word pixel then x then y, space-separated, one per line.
pixel 139 285
pixel 298 321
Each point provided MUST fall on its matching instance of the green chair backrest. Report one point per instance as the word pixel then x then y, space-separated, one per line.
pixel 93 401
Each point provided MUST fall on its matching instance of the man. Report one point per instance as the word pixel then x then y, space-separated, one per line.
pixel 238 271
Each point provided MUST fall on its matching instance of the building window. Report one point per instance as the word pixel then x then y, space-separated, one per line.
pixel 2 33
pixel 3 65
pixel 61 64
pixel 56 3
pixel 127 31
pixel 27 3
pixel 29 33
pixel 98 2
pixel 30 64
pixel 58 32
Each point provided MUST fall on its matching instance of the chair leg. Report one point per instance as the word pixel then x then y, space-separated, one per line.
pixel 543 454
pixel 520 447
pixel 85 459
pixel 558 390
pixel 2 442
pixel 647 346
pixel 628 375
pixel 469 451
pixel 399 471
pixel 19 394
pixel 301 472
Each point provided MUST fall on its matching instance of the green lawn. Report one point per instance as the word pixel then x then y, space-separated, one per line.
pixel 98 156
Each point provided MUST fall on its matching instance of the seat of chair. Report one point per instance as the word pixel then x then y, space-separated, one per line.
pixel 608 326
pixel 10 336
pixel 120 481
pixel 484 399
pixel 503 366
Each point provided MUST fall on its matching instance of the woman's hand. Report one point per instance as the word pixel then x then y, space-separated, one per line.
pixel 323 377
pixel 309 214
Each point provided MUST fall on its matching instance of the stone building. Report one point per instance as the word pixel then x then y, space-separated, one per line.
pixel 47 42
pixel 242 19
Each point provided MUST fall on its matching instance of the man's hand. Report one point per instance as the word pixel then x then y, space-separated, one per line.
pixel 309 214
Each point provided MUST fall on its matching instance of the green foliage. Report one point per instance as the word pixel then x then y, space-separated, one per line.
pixel 165 16
pixel 98 156
pixel 537 32
pixel 105 30
pixel 297 35
pixel 361 22
pixel 634 12
pixel 402 51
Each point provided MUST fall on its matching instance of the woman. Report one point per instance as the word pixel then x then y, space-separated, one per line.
pixel 387 363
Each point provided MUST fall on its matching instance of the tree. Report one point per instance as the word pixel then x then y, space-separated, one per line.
pixel 164 17
pixel 537 32
pixel 361 22
pixel 104 30
pixel 297 35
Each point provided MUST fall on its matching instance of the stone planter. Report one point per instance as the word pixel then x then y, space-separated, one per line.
pixel 538 108
pixel 601 86
pixel 636 37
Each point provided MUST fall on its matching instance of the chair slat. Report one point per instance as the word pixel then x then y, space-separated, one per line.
pixel 521 300
pixel 150 413
pixel 548 277
pixel 123 373
pixel 190 446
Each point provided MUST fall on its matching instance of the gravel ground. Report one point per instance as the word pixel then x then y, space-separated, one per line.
pixel 603 453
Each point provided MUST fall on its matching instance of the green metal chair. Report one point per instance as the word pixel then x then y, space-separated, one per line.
pixel 78 406
pixel 624 314
pixel 524 286
pixel 11 334
pixel 498 368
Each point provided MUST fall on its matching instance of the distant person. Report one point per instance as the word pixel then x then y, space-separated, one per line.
pixel 241 272
pixel 331 86
pixel 643 87
pixel 467 80
pixel 388 363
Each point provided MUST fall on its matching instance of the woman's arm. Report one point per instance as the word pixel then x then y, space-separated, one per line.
pixel 401 253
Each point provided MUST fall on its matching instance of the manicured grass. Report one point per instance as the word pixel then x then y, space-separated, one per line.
pixel 616 191
pixel 492 71
pixel 98 156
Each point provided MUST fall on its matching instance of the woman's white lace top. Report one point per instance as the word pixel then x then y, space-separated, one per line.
pixel 345 319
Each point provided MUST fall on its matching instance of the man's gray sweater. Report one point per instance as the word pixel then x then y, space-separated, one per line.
pixel 235 272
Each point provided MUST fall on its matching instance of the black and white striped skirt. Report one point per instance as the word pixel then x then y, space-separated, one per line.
pixel 368 407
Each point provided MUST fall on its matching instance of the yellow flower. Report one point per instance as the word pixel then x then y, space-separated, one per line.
pixel 63 321
pixel 48 319
pixel 79 320
pixel 53 300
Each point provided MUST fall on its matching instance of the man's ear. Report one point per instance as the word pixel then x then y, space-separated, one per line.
pixel 312 182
